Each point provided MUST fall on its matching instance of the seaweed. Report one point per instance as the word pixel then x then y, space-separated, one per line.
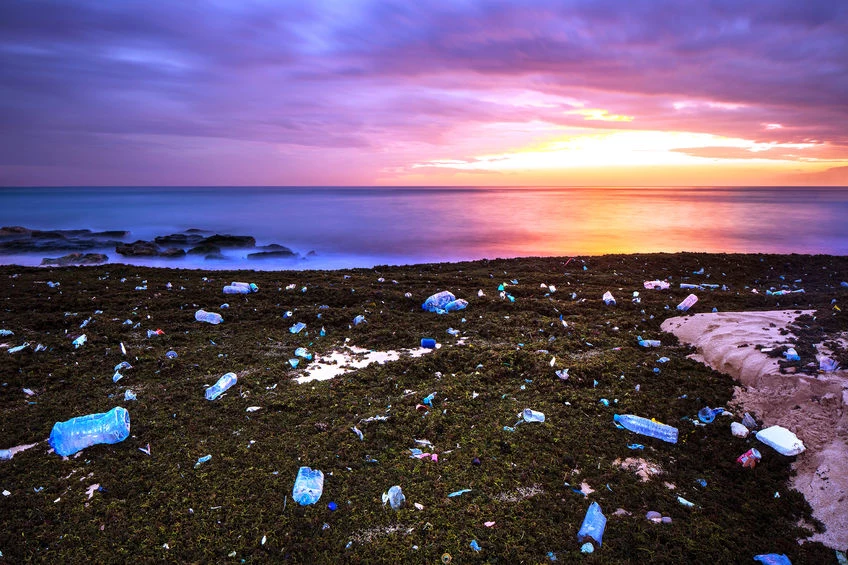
pixel 237 507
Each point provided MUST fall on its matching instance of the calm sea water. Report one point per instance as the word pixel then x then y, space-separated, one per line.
pixel 363 227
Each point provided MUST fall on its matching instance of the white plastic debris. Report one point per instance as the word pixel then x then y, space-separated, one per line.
pixel 738 430
pixel 781 440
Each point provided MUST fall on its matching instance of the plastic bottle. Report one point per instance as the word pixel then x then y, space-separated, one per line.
pixel 75 434
pixel 308 486
pixel 792 355
pixel 395 498
pixel 647 427
pixel 707 414
pixel 209 317
pixel 428 343
pixel 687 303
pixel 240 288
pixel 221 386
pixel 454 305
pixel 438 301
pixel 592 529
pixel 773 559
pixel 608 299
pixel 532 415
pixel 648 342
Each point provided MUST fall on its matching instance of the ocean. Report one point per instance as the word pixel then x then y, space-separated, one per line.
pixel 368 226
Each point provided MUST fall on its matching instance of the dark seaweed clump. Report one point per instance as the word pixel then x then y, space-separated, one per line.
pixel 237 507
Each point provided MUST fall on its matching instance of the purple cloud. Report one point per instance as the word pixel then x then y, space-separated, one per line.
pixel 133 92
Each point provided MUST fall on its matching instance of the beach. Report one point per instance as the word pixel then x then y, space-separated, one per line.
pixel 445 424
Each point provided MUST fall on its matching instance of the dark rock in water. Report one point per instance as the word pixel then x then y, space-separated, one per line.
pixel 17 239
pixel 215 257
pixel 196 230
pixel 77 259
pixel 273 247
pixel 178 239
pixel 311 253
pixel 173 252
pixel 284 253
pixel 110 233
pixel 14 231
pixel 29 245
pixel 138 249
pixel 205 249
pixel 230 240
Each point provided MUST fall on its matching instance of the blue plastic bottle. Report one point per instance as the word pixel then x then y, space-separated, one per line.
pixel 308 486
pixel 647 427
pixel 221 386
pixel 592 529
pixel 75 434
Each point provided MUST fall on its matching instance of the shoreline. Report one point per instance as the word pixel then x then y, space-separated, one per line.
pixel 509 345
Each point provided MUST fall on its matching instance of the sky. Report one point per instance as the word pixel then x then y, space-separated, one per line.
pixel 456 92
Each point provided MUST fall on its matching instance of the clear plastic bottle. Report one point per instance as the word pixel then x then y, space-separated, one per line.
pixel 75 434
pixel 209 317
pixel 221 386
pixel 308 486
pixel 648 342
pixel 647 427
pixel 687 303
pixel 592 529
pixel 395 498
pixel 532 415
pixel 438 301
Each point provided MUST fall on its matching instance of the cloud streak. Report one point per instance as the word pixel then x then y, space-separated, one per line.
pixel 367 86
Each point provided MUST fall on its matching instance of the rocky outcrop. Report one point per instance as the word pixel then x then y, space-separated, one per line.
pixel 18 239
pixel 230 240
pixel 173 253
pixel 204 249
pixel 179 239
pixel 73 259
pixel 138 248
pixel 273 251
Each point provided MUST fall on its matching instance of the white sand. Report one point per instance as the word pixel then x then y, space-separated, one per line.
pixel 813 407
pixel 349 359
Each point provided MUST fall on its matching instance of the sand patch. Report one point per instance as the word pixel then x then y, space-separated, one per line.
pixel 811 406
pixel 645 470
pixel 348 359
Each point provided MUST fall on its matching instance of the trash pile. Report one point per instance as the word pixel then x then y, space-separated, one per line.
pixel 371 429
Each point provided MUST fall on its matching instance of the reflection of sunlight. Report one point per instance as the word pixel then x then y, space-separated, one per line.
pixel 614 149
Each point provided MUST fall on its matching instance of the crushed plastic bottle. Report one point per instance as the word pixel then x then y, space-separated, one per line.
pixel 792 355
pixel 438 301
pixel 302 352
pixel 707 414
pixel 648 342
pixel 221 386
pixel 308 486
pixel 359 320
pixel 532 415
pixel 687 303
pixel 608 299
pixel 647 427
pixel 592 529
pixel 66 438
pixel 208 317
pixel 394 497
pixel 773 559
pixel 79 341
pixel 297 328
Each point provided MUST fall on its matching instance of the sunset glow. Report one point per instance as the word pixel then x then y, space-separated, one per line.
pixel 445 93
